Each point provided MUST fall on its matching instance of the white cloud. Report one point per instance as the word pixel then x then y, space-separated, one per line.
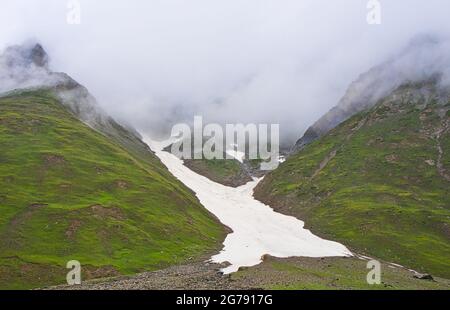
pixel 152 62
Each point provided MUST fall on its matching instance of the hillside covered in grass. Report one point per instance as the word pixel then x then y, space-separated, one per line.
pixel 69 192
pixel 378 183
pixel 224 171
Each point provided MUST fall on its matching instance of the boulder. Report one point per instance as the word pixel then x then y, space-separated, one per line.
pixel 423 276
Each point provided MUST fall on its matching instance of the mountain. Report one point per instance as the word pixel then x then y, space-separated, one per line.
pixel 423 58
pixel 76 185
pixel 380 181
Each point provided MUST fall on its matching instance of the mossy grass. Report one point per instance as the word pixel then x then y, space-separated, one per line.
pixel 69 192
pixel 381 194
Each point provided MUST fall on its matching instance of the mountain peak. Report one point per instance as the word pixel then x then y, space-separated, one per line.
pixel 26 66
pixel 424 59
pixel 39 56
pixel 25 55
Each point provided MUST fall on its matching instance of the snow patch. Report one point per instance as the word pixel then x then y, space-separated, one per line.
pixel 257 229
pixel 239 156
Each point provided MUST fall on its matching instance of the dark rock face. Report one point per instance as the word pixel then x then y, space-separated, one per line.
pixel 309 136
pixel 25 56
pixel 38 56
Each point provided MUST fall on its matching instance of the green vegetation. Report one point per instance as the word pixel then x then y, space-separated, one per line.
pixel 224 171
pixel 330 274
pixel 373 183
pixel 69 192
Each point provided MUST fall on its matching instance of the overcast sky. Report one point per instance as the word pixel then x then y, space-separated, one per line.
pixel 281 61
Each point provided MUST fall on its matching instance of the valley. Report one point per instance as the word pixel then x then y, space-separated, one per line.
pixel 256 229
pixel 368 180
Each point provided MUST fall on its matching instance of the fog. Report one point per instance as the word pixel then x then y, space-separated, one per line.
pixel 153 63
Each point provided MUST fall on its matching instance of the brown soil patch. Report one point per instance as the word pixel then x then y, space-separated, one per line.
pixel 99 170
pixel 53 159
pixel 122 184
pixel 392 158
pixel 104 212
pixel 91 272
pixel 73 228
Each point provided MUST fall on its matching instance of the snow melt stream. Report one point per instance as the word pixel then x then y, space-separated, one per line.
pixel 257 229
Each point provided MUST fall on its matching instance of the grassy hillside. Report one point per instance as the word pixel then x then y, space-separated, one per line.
pixel 224 171
pixel 69 192
pixel 378 183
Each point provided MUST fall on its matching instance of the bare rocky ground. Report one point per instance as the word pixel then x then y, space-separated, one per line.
pixel 291 273
pixel 195 276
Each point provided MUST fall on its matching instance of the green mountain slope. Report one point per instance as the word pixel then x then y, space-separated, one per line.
pixel 379 183
pixel 69 192
pixel 223 171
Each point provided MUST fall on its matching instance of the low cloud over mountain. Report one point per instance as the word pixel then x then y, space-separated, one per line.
pixel 155 63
